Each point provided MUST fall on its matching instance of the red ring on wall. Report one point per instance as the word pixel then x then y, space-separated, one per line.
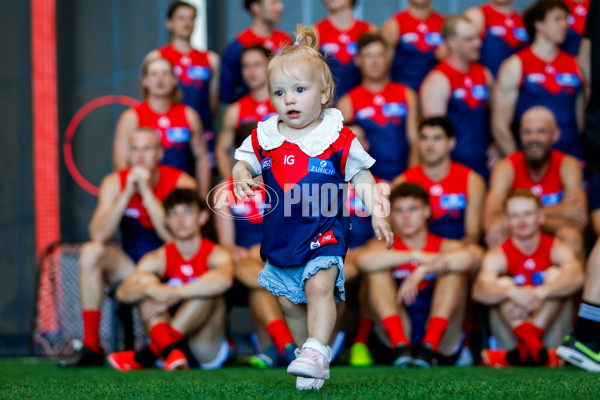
pixel 70 134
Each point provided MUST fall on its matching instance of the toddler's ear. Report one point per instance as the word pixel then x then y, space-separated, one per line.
pixel 325 94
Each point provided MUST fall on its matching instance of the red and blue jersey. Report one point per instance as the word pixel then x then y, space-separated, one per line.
pixel 179 271
pixel 232 85
pixel 174 131
pixel 448 199
pixel 555 85
pixel 548 188
pixel 528 269
pixel 383 117
pixel 503 35
pixel 468 109
pixel 433 245
pixel 362 229
pixel 339 48
pixel 415 52
pixel 308 221
pixel 251 110
pixel 193 72
pixel 137 233
pixel 576 20
pixel 248 216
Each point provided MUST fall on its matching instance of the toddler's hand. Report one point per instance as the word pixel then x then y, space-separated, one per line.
pixel 382 230
pixel 243 184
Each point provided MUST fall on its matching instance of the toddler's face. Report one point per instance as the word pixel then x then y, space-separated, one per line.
pixel 297 95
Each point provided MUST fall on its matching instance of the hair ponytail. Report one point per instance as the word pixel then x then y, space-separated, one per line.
pixel 305 37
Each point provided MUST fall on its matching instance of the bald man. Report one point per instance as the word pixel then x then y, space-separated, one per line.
pixel 459 88
pixel 129 199
pixel 553 176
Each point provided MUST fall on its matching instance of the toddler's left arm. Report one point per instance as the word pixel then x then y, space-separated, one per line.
pixel 378 207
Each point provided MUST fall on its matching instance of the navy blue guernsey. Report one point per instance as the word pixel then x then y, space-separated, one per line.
pixel 308 219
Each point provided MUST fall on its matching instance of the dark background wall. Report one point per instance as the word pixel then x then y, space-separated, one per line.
pixel 100 47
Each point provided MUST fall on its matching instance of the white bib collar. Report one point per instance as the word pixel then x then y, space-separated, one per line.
pixel 314 143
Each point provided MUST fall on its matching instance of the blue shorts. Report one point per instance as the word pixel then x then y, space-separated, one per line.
pixel 289 281
pixel 418 312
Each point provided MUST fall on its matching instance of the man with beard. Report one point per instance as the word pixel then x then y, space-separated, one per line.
pixel 529 279
pixel 553 176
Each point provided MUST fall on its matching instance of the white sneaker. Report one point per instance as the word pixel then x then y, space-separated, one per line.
pixel 312 361
pixel 309 383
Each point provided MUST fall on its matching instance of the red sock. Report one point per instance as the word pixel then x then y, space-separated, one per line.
pixel 365 327
pixel 176 335
pixel 91 329
pixel 154 348
pixel 280 334
pixel 530 335
pixel 523 353
pixel 161 335
pixel 394 330
pixel 435 331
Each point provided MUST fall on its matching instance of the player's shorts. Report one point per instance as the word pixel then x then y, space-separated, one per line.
pixel 418 312
pixel 218 361
pixel 290 281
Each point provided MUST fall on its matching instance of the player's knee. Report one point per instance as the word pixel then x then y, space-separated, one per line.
pixel 90 255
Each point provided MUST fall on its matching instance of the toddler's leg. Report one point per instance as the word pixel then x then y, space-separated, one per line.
pixel 321 304
pixel 295 316
pixel 312 364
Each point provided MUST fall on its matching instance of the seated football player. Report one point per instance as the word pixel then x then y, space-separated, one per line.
pixel 130 200
pixel 529 279
pixel 423 279
pixel 179 292
pixel 582 346
pixel 549 173
pixel 239 229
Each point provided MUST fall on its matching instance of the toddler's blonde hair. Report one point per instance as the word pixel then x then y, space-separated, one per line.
pixel 302 54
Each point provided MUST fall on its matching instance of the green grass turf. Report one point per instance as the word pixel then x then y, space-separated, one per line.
pixel 41 379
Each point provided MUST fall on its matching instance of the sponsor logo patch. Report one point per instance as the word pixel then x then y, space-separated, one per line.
pixel 453 201
pixel 521 34
pixel 567 80
pixel 319 166
pixel 323 239
pixel 178 135
pixel 551 199
pixel 394 110
pixel 434 38
pixel 479 92
pixel 132 213
pixel 199 73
